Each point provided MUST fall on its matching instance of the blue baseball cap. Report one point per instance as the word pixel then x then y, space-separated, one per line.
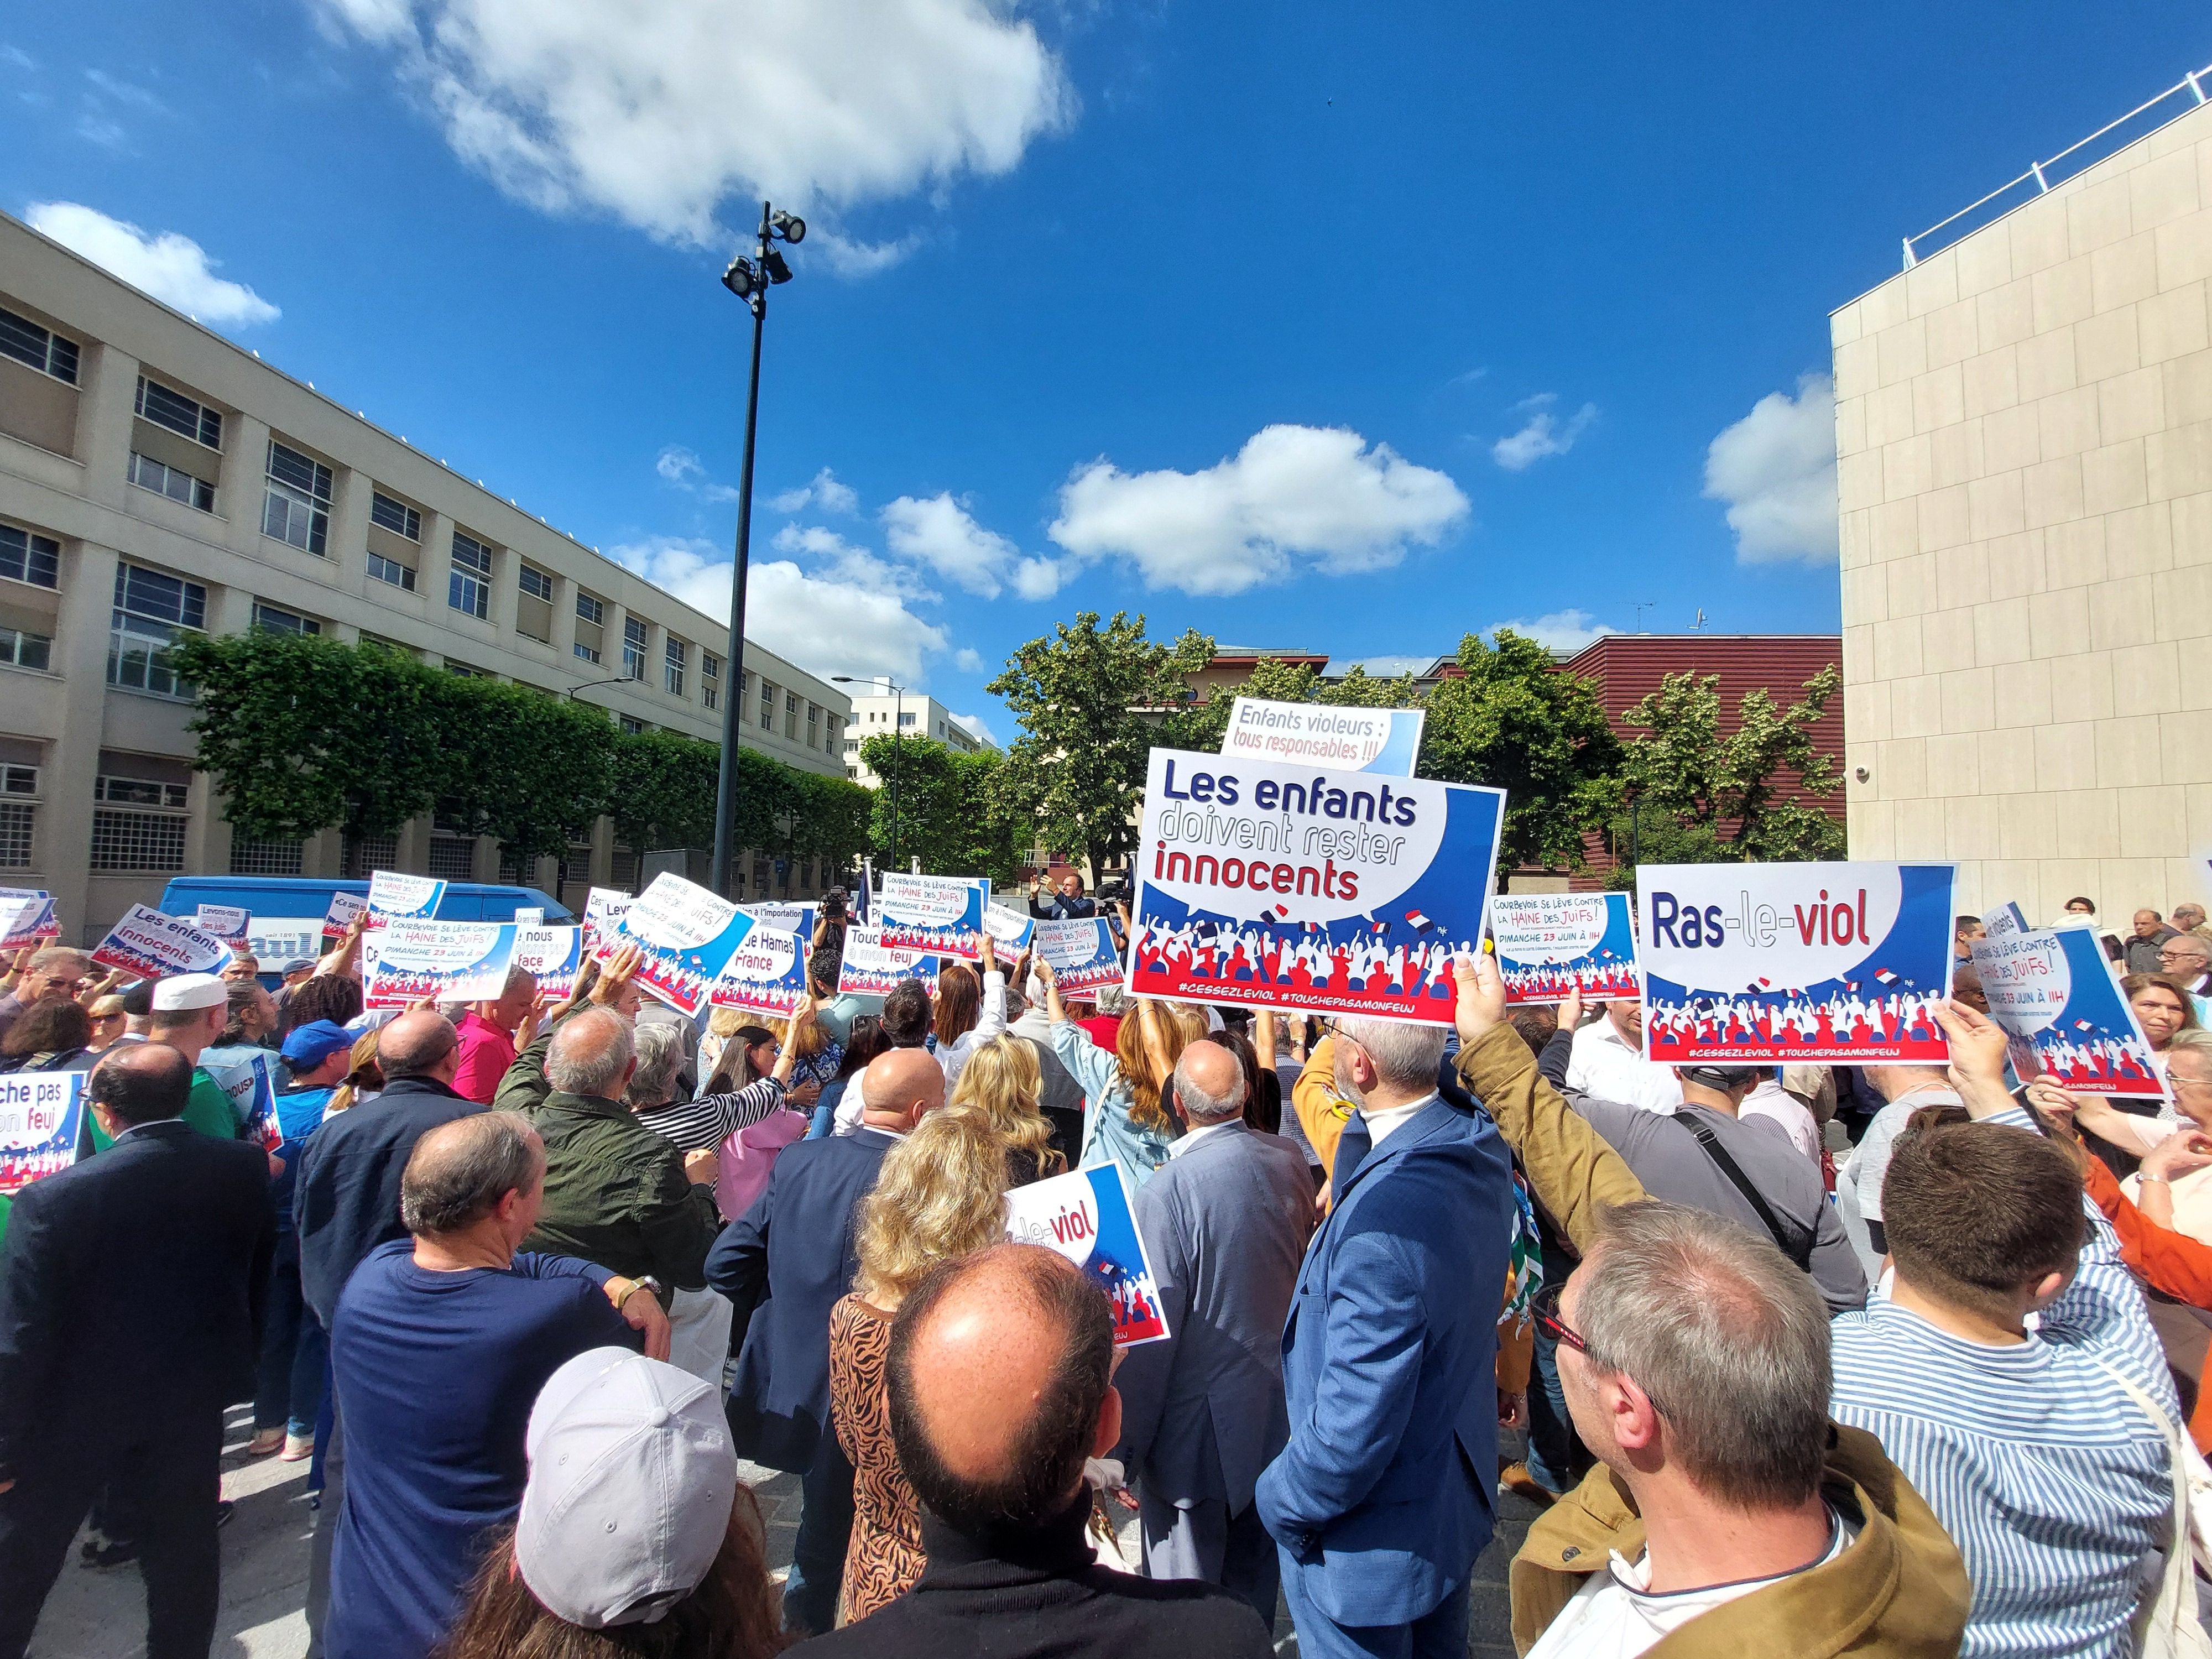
pixel 311 1044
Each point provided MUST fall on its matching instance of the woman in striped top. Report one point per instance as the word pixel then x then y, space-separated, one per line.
pixel 752 1080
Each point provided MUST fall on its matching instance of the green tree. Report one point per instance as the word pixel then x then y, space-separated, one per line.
pixel 1725 792
pixel 1512 720
pixel 528 769
pixel 660 790
pixel 951 810
pixel 830 819
pixel 1092 703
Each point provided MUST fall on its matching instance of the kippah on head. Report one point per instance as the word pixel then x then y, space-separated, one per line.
pixel 184 993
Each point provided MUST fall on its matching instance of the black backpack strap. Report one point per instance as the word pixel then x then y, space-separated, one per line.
pixel 1800 1252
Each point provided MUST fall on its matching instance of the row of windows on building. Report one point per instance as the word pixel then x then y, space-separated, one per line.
pixel 137 822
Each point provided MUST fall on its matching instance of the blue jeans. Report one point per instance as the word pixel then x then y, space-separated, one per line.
pixel 1440 1633
pixel 1550 1431
pixel 825 1531
pixel 289 1387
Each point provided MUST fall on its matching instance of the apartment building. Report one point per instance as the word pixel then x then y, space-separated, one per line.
pixel 157 479
pixel 911 714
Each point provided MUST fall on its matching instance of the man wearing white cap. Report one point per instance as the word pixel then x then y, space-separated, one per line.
pixel 189 1013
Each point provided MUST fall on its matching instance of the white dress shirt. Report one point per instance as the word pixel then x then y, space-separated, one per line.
pixel 1604 1066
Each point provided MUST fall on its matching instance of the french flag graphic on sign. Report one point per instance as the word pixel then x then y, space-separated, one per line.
pixel 1883 977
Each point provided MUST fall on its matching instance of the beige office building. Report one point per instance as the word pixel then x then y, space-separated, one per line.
pixel 911 714
pixel 156 479
pixel 2024 434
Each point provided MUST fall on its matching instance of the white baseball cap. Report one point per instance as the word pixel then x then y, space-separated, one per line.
pixel 182 992
pixel 632 1477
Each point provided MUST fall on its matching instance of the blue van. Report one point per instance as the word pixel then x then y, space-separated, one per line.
pixel 289 910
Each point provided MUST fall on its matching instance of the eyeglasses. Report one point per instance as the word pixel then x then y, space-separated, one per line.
pixel 1546 1310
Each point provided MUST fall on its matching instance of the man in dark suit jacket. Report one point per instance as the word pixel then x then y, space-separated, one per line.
pixel 1225 1224
pixel 1381 1500
pixel 346 1202
pixel 998 1385
pixel 783 1264
pixel 131 1298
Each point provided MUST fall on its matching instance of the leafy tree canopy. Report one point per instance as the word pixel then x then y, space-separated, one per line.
pixel 951 810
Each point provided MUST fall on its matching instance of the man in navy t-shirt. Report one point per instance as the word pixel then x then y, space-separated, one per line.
pixel 439 1347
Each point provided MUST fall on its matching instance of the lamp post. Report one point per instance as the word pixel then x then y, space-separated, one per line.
pixel 898 693
pixel 749 279
pixel 619 680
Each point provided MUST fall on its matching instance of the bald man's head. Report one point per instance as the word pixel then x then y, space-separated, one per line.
pixel 1209 1081
pixel 414 1045
pixel 899 1086
pixel 999 1383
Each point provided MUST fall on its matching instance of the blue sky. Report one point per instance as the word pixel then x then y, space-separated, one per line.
pixel 1350 329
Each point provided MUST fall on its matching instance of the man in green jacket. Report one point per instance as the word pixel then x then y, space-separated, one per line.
pixel 616 1192
pixel 189 1013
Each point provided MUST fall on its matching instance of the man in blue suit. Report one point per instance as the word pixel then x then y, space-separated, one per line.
pixel 1381 1501
pixel 784 1264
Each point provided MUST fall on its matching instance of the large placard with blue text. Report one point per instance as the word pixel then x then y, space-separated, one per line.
pixel 2053 990
pixel 443 961
pixel 1774 964
pixel 41 1115
pixel 943 914
pixel 1282 886
pixel 685 935
pixel 1551 945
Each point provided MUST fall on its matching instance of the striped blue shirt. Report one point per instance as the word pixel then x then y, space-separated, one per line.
pixel 2051 1480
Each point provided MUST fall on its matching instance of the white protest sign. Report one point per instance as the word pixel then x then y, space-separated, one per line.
pixel 529 916
pixel 765 975
pixel 603 907
pixel 1010 930
pixel 2053 990
pixel 1382 741
pixel 872 968
pixel 686 934
pixel 228 922
pixel 344 907
pixel 1085 1216
pixel 446 961
pixel 1551 943
pixel 392 894
pixel 148 945
pixel 941 914
pixel 41 1114
pixel 553 956
pixel 27 918
pixel 1080 953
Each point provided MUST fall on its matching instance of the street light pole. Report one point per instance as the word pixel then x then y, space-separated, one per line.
pixel 750 280
pixel 898 753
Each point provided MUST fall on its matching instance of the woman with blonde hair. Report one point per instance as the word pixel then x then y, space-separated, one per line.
pixel 364 1078
pixel 1126 1119
pixel 941 1194
pixel 1000 1085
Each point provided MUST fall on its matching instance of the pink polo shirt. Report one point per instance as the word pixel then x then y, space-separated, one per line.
pixel 486 1053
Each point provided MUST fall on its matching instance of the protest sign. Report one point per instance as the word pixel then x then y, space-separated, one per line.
pixel 1278 886
pixel 872 968
pixel 529 916
pixel 1080 953
pixel 2004 922
pixel 766 975
pixel 553 956
pixel 41 1115
pixel 1011 930
pixel 687 935
pixel 1085 1216
pixel 2053 990
pixel 228 922
pixel 1769 964
pixel 942 914
pixel 797 919
pixel 27 918
pixel 391 895
pixel 1381 742
pixel 344 907
pixel 603 907
pixel 251 1091
pixel 1551 943
pixel 448 960
pixel 148 945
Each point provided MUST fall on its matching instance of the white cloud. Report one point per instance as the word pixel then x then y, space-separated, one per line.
pixel 827 624
pixel 1292 493
pixel 824 491
pixel 173 268
pixel 941 533
pixel 123 92
pixel 974 728
pixel 16 57
pixel 1544 433
pixel 1776 468
pixel 683 468
pixel 1557 630
pixel 850 259
pixel 968 660
pixel 656 112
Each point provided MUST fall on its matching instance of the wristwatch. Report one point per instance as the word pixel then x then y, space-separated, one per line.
pixel 647 1282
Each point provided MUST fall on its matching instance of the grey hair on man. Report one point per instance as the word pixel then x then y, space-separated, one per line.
pixel 1727 1339
pixel 660 1058
pixel 1209 1084
pixel 460 1171
pixel 1406 1054
pixel 591 1055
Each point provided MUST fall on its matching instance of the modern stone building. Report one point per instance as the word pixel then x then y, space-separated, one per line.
pixel 2024 434
pixel 155 479
pixel 911 714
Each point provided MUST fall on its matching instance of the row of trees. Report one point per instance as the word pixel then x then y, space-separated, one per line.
pixel 1093 697
pixel 304 734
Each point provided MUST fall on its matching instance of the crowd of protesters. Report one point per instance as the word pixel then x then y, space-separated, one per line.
pixel 1891 1360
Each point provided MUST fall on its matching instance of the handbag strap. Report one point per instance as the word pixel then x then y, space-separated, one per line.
pixel 1799 1251
pixel 2171 1609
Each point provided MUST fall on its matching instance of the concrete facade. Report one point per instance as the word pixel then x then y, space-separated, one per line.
pixel 94 755
pixel 918 715
pixel 2024 440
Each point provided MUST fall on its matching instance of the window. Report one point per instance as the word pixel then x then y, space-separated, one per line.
pixel 905 719
pixel 791 715
pixel 19 780
pixel 766 704
pixel 453 858
pixel 26 556
pixel 465 671
pixel 468 589
pixel 591 620
pixel 264 858
pixel 195 419
pixel 633 648
pixel 534 607
pixel 710 680
pixel 279 621
pixel 630 726
pixel 152 612
pixel 165 480
pixel 836 725
pixel 401 576
pixel 140 792
pixel 813 725
pixel 396 516
pixel 27 342
pixel 589 654
pixel 17 819
pixel 672 667
pixel 20 648
pixel 535 582
pixel 126 835
pixel 590 609
pixel 298 506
